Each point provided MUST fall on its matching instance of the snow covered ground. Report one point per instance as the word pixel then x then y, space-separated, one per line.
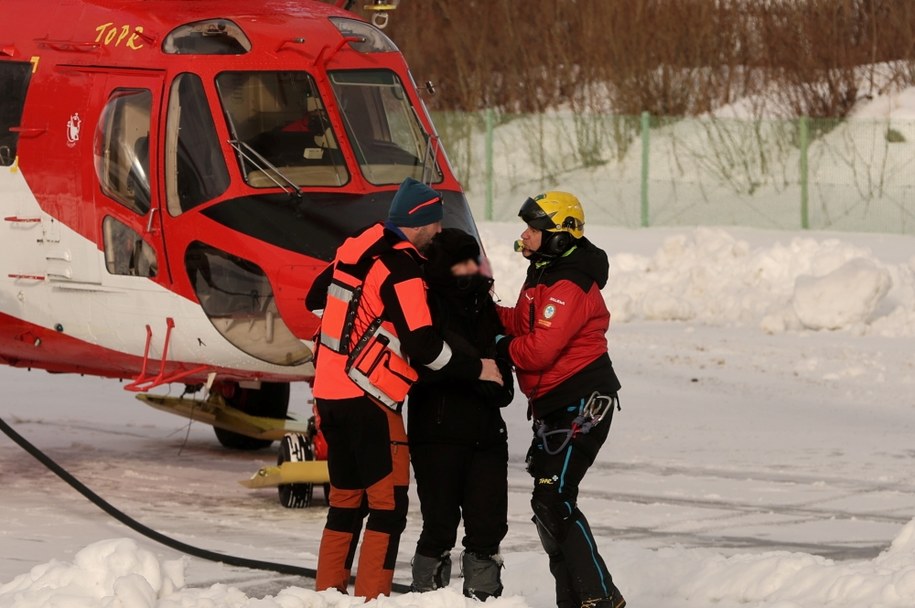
pixel 763 456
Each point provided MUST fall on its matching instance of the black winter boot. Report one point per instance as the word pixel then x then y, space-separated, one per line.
pixel 482 575
pixel 430 573
pixel 614 601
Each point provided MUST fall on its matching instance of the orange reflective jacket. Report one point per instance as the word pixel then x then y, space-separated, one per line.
pixel 376 325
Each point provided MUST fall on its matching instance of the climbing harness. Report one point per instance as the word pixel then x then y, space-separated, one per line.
pixel 594 410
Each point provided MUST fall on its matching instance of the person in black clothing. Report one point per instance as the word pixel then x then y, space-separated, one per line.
pixel 458 440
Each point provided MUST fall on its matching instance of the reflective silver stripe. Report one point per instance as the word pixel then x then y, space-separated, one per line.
pixel 331 343
pixel 344 294
pixel 443 358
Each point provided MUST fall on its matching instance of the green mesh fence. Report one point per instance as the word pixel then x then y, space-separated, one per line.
pixel 854 175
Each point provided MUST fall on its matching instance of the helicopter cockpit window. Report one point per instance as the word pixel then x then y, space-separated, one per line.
pixel 121 148
pixel 209 37
pixel 14 81
pixel 126 252
pixel 195 170
pixel 238 299
pixel 280 130
pixel 386 134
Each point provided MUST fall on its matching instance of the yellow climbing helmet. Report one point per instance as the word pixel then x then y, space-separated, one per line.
pixel 554 212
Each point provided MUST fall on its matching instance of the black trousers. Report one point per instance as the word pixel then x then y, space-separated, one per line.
pixel 369 465
pixel 558 469
pixel 457 480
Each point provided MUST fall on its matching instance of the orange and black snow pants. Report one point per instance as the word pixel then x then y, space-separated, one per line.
pixel 369 464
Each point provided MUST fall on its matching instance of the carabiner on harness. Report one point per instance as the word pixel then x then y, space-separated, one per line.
pixel 593 411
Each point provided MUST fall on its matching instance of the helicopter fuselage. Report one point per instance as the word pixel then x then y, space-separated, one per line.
pixel 175 173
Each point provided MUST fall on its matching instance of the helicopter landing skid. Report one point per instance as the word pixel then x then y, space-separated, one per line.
pixel 310 471
pixel 216 413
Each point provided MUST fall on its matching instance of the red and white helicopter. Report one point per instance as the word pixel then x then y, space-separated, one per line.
pixel 175 173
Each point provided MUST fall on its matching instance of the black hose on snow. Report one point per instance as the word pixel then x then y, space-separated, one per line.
pixel 148 532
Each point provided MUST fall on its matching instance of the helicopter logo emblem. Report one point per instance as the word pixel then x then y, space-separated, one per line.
pixel 73 127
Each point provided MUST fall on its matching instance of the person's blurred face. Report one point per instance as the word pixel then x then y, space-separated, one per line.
pixel 422 236
pixel 532 239
pixel 465 268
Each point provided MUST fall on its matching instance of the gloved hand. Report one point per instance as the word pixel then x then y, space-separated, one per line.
pixel 502 344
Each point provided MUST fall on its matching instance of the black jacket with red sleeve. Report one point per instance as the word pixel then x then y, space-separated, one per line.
pixel 557 330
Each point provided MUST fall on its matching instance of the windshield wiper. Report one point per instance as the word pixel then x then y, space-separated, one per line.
pixel 430 154
pixel 255 158
pixel 430 159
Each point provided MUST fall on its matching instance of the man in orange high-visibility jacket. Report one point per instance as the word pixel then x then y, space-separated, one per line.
pixel 376 327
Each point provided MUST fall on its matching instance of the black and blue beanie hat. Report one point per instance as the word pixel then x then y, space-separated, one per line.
pixel 415 204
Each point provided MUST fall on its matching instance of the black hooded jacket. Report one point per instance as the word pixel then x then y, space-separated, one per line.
pixel 442 410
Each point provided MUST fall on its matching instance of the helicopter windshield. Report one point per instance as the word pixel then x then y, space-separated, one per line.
pixel 280 130
pixel 384 130
pixel 282 135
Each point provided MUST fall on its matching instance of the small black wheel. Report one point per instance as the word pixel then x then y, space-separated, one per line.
pixel 237 441
pixel 295 447
pixel 270 401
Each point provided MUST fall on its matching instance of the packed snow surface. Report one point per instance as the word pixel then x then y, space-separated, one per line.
pixel 763 457
pixel 754 363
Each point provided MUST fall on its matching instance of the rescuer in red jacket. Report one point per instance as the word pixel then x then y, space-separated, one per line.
pixel 375 328
pixel 556 339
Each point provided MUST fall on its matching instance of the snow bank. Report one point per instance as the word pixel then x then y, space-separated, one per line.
pixel 117 573
pixel 846 296
pixel 120 574
pixel 111 573
pixel 708 275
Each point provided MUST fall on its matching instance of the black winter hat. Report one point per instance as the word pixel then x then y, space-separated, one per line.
pixel 449 247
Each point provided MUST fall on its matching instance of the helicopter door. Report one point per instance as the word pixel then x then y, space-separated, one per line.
pixel 126 165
